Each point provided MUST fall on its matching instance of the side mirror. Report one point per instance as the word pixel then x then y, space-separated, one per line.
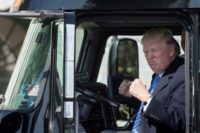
pixel 123 64
pixel 123 59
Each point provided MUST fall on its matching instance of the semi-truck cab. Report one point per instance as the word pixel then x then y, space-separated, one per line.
pixel 75 55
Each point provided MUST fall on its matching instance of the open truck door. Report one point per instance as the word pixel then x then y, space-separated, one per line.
pixel 40 97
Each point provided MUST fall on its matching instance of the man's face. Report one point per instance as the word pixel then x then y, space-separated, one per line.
pixel 159 55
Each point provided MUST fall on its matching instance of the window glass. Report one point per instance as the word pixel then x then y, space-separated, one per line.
pixel 29 72
pixel 103 72
pixel 12 33
pixel 79 41
pixel 59 64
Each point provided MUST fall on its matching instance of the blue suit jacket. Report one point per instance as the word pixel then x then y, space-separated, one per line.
pixel 166 111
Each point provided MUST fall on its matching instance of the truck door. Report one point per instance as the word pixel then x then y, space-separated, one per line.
pixel 41 90
pixel 193 80
pixel 62 110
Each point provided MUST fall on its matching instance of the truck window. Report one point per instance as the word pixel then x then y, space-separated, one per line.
pixel 79 41
pixel 12 33
pixel 142 73
pixel 29 72
pixel 130 63
pixel 59 63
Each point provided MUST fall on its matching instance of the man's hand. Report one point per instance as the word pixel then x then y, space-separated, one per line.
pixel 139 90
pixel 124 88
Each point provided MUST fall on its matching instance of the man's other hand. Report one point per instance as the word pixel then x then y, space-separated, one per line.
pixel 124 88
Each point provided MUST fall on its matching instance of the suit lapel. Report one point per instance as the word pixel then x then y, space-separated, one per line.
pixel 168 74
pixel 164 81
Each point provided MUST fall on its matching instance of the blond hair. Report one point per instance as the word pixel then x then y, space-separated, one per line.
pixel 164 33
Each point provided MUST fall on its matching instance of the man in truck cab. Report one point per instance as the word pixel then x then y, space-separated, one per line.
pixel 162 108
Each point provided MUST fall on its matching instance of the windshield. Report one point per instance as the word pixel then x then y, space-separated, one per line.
pixel 31 69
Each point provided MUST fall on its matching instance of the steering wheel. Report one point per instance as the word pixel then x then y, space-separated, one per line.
pixel 86 90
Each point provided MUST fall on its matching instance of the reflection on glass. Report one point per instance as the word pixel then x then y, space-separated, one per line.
pixel 25 82
pixel 127 58
pixel 59 65
pixel 12 33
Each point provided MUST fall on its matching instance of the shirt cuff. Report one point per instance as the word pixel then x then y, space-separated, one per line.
pixel 146 104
